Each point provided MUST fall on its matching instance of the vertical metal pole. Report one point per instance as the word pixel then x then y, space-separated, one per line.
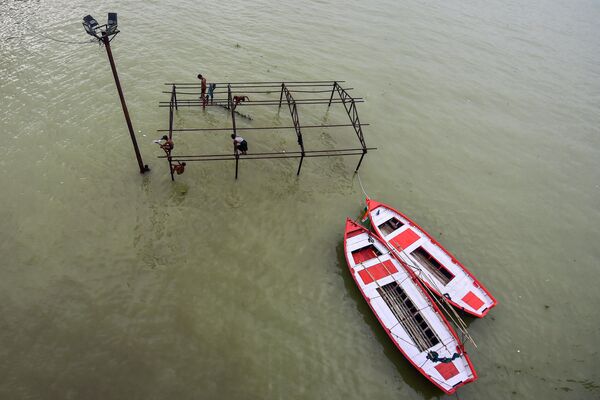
pixel 232 113
pixel 231 106
pixel 281 95
pixel 171 168
pixel 237 160
pixel 171 121
pixel 229 100
pixel 300 166
pixel 143 168
pixel 360 161
pixel 332 91
pixel 175 96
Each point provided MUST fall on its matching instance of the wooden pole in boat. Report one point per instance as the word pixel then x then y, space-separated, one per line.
pixel 138 156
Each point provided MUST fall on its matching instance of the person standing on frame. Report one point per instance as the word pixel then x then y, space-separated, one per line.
pixel 211 90
pixel 239 144
pixel 202 89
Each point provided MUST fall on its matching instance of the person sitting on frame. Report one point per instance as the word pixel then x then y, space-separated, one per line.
pixel 178 168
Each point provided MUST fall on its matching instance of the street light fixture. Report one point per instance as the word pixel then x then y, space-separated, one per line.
pixel 98 31
pixel 111 26
pixel 90 25
pixel 105 33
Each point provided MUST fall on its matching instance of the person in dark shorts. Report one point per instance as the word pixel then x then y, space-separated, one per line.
pixel 178 168
pixel 240 144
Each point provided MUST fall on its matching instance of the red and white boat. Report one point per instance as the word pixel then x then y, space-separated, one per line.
pixel 434 265
pixel 406 311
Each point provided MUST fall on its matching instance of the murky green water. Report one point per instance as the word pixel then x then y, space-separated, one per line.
pixel 120 286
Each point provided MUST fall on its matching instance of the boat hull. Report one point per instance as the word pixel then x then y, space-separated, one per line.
pixel 406 312
pixel 437 268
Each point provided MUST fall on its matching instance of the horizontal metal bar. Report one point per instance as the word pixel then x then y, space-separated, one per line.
pixel 254 91
pixel 258 128
pixel 232 157
pixel 361 150
pixel 198 85
pixel 220 101
pixel 190 103
pixel 257 83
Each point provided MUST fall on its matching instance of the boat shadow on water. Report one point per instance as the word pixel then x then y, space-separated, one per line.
pixel 408 373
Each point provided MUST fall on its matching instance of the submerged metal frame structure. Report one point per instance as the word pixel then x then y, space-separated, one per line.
pixel 285 90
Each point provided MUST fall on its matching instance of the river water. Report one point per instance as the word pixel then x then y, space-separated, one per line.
pixel 115 285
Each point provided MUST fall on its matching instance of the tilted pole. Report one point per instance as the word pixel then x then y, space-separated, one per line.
pixel 296 120
pixel 171 166
pixel 281 95
pixel 175 96
pixel 361 159
pixel 232 107
pixel 332 92
pixel 106 41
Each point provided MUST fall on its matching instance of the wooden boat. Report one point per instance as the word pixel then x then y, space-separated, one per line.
pixel 434 265
pixel 406 311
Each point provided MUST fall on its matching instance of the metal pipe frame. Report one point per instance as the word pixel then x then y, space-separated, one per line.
pixel 348 101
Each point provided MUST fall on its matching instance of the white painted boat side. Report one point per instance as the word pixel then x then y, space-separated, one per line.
pixel 449 343
pixel 458 287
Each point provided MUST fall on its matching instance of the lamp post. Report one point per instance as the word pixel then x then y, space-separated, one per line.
pixel 105 33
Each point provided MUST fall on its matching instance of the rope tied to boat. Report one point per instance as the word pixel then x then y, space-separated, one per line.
pixel 435 357
pixel 361 185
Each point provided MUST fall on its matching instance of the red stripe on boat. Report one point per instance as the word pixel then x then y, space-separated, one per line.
pixel 447 370
pixel 472 300
pixel 405 239
pixel 377 271
pixel 354 233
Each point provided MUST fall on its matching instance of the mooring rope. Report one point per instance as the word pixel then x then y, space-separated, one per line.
pixel 361 185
